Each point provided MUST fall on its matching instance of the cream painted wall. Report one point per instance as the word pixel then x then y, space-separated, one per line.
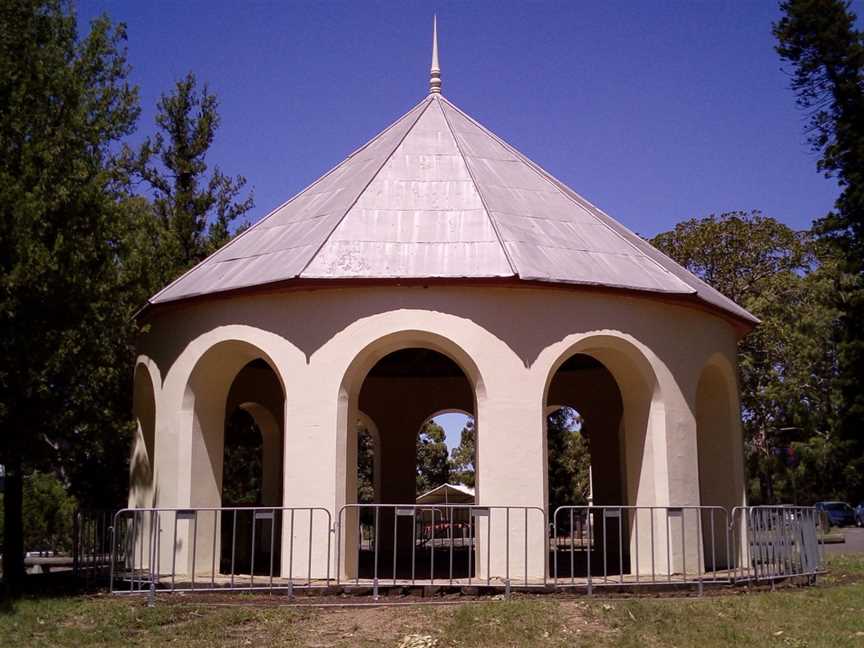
pixel 509 342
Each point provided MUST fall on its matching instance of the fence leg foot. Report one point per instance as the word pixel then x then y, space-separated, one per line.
pixel 507 589
pixel 375 589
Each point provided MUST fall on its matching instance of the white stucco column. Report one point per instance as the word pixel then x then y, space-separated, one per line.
pixel 312 469
pixel 511 472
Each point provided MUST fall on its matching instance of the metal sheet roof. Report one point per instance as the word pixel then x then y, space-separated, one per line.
pixel 436 195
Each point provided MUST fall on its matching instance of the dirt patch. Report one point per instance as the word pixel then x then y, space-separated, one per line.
pixel 358 626
pixel 578 619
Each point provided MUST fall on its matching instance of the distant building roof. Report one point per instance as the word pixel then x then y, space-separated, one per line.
pixel 447 494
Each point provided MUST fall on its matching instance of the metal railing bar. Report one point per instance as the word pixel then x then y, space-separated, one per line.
pixel 233 545
pixel 216 517
pixel 395 541
pixel 252 567
pixel 194 545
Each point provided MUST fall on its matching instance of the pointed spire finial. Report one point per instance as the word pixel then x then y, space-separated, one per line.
pixel 435 70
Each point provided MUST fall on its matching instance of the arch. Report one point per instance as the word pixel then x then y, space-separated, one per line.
pixel 623 357
pixel 629 455
pixel 143 457
pixel 631 365
pixel 719 450
pixel 355 375
pixel 447 410
pixel 368 381
pixel 204 403
pixel 216 387
pixel 377 349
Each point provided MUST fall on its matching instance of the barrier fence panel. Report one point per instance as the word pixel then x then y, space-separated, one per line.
pixel 778 542
pixel 639 545
pixel 273 548
pixel 91 544
pixel 450 544
pixel 202 549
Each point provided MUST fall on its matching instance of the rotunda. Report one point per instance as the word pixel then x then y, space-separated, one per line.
pixel 437 269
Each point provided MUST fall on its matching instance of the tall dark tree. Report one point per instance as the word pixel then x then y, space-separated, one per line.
pixel 64 332
pixel 433 459
pixel 195 210
pixel 464 456
pixel 820 41
pixel 569 459
pixel 365 466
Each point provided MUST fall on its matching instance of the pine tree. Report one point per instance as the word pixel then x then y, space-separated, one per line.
pixel 195 211
pixel 818 38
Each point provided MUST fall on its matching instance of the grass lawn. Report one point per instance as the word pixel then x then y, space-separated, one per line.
pixel 831 614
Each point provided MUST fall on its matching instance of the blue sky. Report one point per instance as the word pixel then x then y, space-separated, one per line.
pixel 654 111
pixel 452 422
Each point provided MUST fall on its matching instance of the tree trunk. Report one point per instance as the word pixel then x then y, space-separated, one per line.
pixel 13 536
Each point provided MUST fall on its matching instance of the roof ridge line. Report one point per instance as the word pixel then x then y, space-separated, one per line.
pixel 486 209
pixel 366 186
pixel 605 220
pixel 650 249
pixel 548 177
pixel 273 211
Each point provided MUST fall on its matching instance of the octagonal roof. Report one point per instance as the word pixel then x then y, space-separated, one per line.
pixel 437 195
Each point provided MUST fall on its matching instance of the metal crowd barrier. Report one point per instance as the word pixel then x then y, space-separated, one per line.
pixel 372 545
pixel 778 542
pixel 213 548
pixel 401 544
pixel 91 544
pixel 639 545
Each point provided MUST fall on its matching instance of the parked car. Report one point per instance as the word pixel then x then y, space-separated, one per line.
pixel 839 513
pixel 859 514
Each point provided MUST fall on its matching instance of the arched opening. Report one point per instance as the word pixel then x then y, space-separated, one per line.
pixel 585 463
pixel 143 448
pixel 236 402
pixel 407 393
pixel 368 460
pixel 719 450
pixel 457 430
pixel 252 471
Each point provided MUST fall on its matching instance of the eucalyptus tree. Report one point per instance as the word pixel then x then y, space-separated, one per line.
pixel 65 327
pixel 789 363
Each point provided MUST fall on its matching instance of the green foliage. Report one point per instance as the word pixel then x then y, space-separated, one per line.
pixel 789 381
pixel 66 303
pixel 49 509
pixel 365 466
pixel 433 465
pixel 48 514
pixel 569 459
pixel 463 456
pixel 243 469
pixel 736 252
pixel 193 211
pixel 818 38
